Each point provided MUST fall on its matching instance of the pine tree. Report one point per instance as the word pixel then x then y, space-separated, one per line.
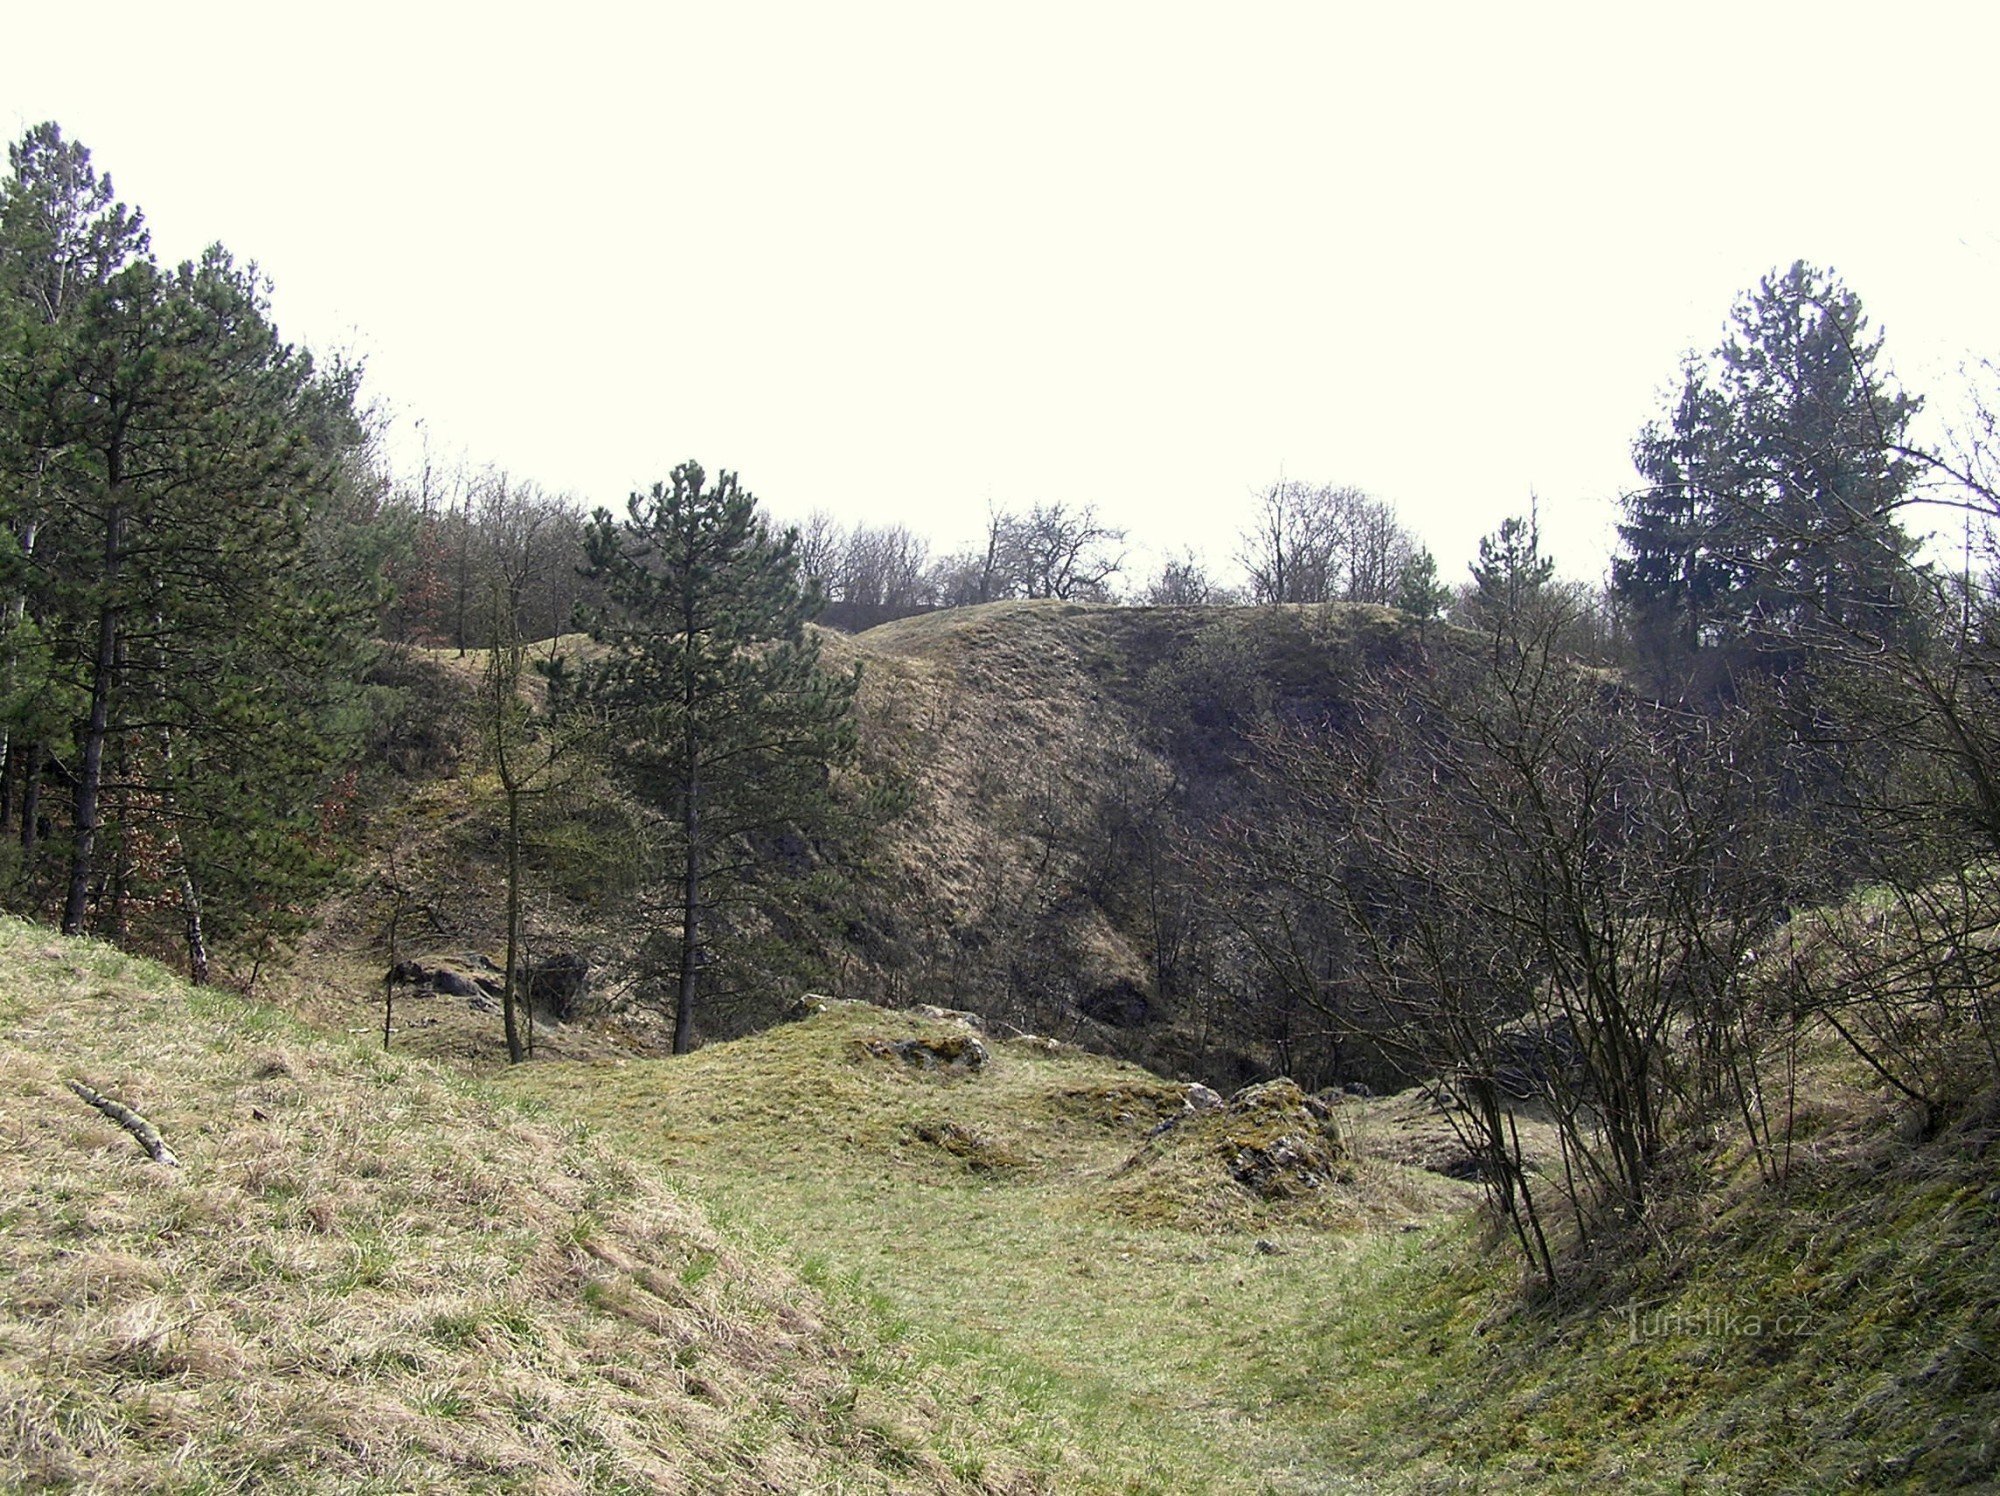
pixel 165 455
pixel 1769 510
pixel 720 715
pixel 185 491
pixel 1511 571
pixel 1816 467
pixel 1419 593
pixel 1676 575
pixel 63 236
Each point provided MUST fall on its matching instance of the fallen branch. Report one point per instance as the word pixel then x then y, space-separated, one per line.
pixel 147 1134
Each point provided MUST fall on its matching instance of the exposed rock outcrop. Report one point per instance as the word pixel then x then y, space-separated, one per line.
pixel 1279 1142
pixel 959 1053
pixel 1216 1163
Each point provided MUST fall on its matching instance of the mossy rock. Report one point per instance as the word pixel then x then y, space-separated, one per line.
pixel 1272 1154
pixel 1122 1104
pixel 1279 1143
pixel 959 1052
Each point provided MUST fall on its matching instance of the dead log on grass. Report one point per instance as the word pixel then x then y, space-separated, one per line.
pixel 147 1134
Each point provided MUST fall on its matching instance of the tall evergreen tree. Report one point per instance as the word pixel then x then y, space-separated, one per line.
pixel 1817 471
pixel 720 714
pixel 1675 574
pixel 166 454
pixel 186 491
pixel 63 237
pixel 1772 489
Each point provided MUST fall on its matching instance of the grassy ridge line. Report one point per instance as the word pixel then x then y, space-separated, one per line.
pixel 370 1276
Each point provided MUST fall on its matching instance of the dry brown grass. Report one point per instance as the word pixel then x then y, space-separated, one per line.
pixel 931 683
pixel 997 720
pixel 1051 750
pixel 369 1276
pixel 1019 729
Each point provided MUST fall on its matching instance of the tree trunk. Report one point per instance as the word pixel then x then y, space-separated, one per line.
pixel 197 943
pixel 464 573
pixel 690 765
pixel 510 991
pixel 690 922
pixel 111 901
pixel 17 610
pixel 31 805
pixel 503 678
pixel 91 771
pixel 395 955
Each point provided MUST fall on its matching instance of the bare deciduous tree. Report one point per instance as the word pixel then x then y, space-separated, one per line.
pixel 1320 544
pixel 1064 553
pixel 1550 885
pixel 886 568
pixel 1183 581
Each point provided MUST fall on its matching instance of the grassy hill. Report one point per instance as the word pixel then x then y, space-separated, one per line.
pixel 802 1261
pixel 370 1275
pixel 1127 1299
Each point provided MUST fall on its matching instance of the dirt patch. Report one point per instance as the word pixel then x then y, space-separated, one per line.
pixel 974 1147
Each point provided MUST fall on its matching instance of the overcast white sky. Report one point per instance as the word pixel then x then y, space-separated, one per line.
pixel 901 261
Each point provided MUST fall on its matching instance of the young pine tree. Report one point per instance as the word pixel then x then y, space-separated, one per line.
pixel 719 713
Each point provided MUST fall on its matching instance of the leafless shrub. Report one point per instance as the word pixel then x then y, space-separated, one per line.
pixel 1550 886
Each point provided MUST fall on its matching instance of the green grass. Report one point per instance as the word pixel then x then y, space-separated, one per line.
pixel 369 1274
pixel 1835 1332
pixel 1135 1353
pixel 375 1274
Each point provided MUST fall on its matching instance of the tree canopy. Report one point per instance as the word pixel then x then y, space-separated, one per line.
pixel 172 639
pixel 1772 484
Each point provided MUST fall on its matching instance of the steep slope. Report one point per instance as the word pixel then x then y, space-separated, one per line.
pixel 365 1274
pixel 1057 864
pixel 1075 773
pixel 1833 1329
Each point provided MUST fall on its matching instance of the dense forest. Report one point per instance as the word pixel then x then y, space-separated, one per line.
pixel 1546 840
